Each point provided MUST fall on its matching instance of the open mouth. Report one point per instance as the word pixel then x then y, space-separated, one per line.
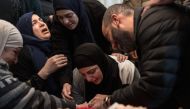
pixel 70 25
pixel 45 30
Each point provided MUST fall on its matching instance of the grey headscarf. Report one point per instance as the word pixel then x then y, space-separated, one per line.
pixel 9 36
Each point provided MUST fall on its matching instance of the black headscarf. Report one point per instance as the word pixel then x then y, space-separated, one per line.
pixel 90 54
pixel 83 29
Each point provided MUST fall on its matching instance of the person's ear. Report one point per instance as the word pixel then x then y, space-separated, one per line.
pixel 115 20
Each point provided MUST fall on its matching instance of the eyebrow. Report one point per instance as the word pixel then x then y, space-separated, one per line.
pixel 35 20
pixel 91 69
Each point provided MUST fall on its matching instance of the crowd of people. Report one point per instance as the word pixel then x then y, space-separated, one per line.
pixel 80 54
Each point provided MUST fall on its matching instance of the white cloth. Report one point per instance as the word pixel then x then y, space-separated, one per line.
pixel 126 70
pixel 9 36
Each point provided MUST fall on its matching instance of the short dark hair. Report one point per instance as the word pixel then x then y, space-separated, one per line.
pixel 116 9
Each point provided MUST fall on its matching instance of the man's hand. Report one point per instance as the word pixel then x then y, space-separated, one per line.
pixel 66 91
pixel 98 102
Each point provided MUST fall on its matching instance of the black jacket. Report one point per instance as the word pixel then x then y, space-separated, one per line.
pixel 163 50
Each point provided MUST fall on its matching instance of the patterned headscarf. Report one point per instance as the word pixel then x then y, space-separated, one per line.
pixel 9 36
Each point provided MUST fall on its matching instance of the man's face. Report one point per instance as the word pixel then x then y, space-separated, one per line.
pixel 120 32
pixel 40 29
pixel 107 32
pixel 124 40
pixel 68 18
pixel 92 74
pixel 10 55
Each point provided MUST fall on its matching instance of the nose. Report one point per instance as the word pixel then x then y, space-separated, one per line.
pixel 89 79
pixel 66 21
pixel 41 23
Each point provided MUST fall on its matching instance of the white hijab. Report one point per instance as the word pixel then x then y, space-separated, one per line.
pixel 9 36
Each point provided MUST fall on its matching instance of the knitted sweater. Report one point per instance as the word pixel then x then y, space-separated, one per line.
pixel 19 95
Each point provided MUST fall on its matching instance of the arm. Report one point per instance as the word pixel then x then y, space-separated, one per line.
pixel 78 90
pixel 24 70
pixel 34 78
pixel 60 43
pixel 16 94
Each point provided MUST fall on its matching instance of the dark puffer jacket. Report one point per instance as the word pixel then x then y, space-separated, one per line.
pixel 162 37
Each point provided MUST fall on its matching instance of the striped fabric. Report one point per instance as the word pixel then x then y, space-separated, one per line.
pixel 18 95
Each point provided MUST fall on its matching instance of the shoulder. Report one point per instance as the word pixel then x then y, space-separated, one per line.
pixel 93 3
pixel 77 76
pixel 94 6
pixel 172 11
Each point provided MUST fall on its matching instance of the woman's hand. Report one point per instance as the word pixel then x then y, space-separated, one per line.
pixel 120 57
pixel 66 91
pixel 52 64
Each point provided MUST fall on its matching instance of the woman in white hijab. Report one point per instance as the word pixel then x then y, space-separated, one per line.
pixel 13 93
pixel 10 40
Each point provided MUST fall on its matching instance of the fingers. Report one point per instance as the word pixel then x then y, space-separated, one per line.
pixel 61 63
pixel 120 57
pixel 91 103
pixel 68 97
pixel 97 100
pixel 66 92
pixel 123 58
pixel 59 57
pixel 82 106
pixel 59 60
pixel 96 104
